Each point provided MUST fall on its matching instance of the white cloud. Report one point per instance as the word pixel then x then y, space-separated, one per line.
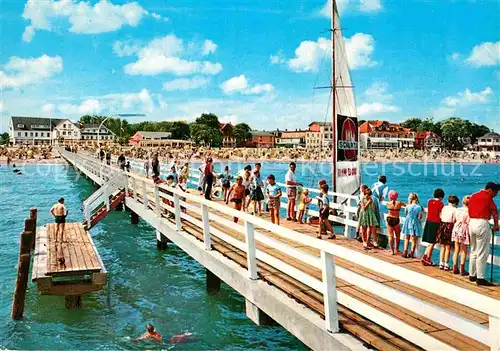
pixel 377 100
pixel 122 49
pixel 368 109
pixel 370 5
pixel 141 102
pixel 186 83
pixel 279 58
pixel 159 17
pixel 308 55
pixel 240 84
pixel 454 57
pixel 485 54
pixel 378 92
pixel 166 55
pixel 233 119
pixel 20 72
pixel 48 108
pixel 359 49
pixel 209 47
pixel 82 17
pixel 464 100
pixel 366 6
pixel 468 98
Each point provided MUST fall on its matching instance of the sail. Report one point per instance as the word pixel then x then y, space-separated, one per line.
pixel 347 173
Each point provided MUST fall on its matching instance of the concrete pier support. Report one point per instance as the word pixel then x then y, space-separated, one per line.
pixel 73 301
pixel 161 241
pixel 257 315
pixel 134 217
pixel 119 207
pixel 213 283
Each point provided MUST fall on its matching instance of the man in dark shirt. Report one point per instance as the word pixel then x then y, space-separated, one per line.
pixel 121 162
pixel 481 209
pixel 155 168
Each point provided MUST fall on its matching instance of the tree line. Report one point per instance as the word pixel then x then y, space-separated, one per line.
pixel 204 130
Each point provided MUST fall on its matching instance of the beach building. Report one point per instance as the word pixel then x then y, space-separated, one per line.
pixel 262 139
pixel 382 134
pixel 65 131
pixel 91 132
pixel 143 138
pixel 292 139
pixel 427 141
pixel 32 130
pixel 490 143
pixel 228 138
pixel 319 135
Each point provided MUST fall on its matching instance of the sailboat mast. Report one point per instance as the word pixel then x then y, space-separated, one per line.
pixel 334 108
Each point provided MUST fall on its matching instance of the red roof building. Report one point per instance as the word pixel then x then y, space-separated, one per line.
pixel 427 140
pixel 228 138
pixel 382 134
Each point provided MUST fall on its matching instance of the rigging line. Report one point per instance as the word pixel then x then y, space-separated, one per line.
pixel 321 146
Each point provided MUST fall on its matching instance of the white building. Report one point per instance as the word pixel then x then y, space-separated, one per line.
pixel 489 143
pixel 31 130
pixel 45 131
pixel 382 135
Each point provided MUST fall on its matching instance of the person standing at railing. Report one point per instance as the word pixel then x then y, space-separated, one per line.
pixel 393 222
pixel 225 178
pixel 324 213
pixel 291 191
pixel 368 219
pixel 434 208
pixel 155 168
pixel 304 202
pixel 274 195
pixel 147 166
pixel 108 158
pixel 461 237
pixel 209 178
pixel 412 227
pixel 238 191
pixel 121 162
pixel 184 174
pixel 481 209
pixel 448 219
pixel 256 194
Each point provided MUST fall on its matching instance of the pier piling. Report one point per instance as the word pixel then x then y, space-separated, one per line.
pixel 134 217
pixel 72 301
pixel 23 267
pixel 33 216
pixel 213 283
pixel 257 315
pixel 161 241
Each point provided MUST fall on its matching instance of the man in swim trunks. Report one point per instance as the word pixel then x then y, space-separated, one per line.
pixel 238 196
pixel 60 212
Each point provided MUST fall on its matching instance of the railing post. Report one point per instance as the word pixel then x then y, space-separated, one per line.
pixel 494 325
pixel 106 198
pixel 177 206
pixel 348 217
pixel 145 200
pixel 157 201
pixel 206 227
pixel 329 292
pixel 251 259
pixel 134 189
pixel 125 177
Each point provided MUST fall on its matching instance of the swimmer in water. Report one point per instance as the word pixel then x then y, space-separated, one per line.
pixel 152 334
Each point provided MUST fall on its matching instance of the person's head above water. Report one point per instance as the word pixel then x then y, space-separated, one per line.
pixel 150 328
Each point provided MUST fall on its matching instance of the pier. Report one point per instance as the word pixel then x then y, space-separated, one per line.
pixel 323 292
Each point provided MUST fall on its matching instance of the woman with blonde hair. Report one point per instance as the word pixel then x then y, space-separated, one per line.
pixel 461 237
pixel 413 225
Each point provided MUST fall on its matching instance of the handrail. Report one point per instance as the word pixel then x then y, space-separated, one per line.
pixel 153 193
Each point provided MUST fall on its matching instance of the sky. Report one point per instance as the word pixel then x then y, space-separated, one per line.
pixel 253 61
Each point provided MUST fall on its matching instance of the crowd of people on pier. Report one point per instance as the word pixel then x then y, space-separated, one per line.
pixel 451 227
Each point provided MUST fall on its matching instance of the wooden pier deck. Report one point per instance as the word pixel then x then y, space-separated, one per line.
pixel 377 301
pixel 75 259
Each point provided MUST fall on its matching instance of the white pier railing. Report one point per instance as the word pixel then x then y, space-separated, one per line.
pixel 163 201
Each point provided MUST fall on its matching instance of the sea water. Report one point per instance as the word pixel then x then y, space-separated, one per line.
pixel 166 288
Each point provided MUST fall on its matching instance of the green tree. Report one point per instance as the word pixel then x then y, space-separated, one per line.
pixel 456 132
pixel 206 130
pixel 242 132
pixel 4 139
pixel 478 131
pixel 413 123
pixel 180 130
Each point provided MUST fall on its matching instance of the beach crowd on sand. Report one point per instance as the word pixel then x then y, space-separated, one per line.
pixel 194 153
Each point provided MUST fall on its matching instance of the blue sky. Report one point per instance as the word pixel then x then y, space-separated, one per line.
pixel 248 61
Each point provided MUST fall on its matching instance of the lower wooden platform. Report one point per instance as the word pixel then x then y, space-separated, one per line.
pixel 71 266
